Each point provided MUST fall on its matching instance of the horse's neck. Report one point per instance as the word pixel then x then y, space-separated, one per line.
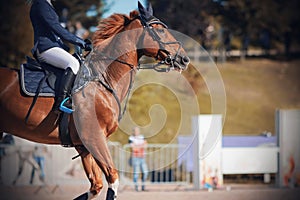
pixel 117 72
pixel 123 55
pixel 120 75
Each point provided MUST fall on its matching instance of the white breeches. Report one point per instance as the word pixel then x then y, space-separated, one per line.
pixel 59 58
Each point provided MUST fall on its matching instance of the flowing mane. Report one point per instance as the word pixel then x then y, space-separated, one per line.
pixel 112 25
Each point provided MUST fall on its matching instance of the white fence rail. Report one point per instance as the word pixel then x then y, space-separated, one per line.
pixel 220 54
pixel 166 164
pixel 162 163
pixel 254 160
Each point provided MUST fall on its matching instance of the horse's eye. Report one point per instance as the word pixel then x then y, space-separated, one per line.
pixel 160 30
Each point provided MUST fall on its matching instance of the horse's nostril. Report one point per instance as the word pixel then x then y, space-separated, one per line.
pixel 185 60
pixel 168 60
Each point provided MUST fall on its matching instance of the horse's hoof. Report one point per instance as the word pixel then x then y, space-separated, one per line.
pixel 82 197
pixel 110 195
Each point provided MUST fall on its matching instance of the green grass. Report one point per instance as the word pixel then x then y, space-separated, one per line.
pixel 255 88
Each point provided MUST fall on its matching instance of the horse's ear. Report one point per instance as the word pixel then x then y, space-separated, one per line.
pixel 141 9
pixel 145 13
pixel 140 6
pixel 150 9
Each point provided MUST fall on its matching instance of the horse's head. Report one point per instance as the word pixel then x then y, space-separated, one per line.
pixel 157 41
pixel 143 32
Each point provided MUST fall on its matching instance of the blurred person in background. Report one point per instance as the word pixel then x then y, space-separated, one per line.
pixel 138 146
pixel 39 157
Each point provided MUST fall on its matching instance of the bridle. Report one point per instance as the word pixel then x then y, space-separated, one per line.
pixel 169 61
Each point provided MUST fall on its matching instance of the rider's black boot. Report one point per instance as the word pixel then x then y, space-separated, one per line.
pixel 64 91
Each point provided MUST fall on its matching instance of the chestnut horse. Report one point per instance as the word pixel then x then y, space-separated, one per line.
pixel 119 43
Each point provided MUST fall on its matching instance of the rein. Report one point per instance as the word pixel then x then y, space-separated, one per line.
pixel 109 88
pixel 113 92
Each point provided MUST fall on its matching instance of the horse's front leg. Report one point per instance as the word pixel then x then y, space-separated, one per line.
pixel 93 173
pixel 100 151
pixel 112 178
pixel 91 124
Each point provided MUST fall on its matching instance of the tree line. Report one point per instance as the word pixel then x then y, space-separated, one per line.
pixel 247 18
pixel 242 18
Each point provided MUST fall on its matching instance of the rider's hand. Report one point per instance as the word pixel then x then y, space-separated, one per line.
pixel 81 43
pixel 88 45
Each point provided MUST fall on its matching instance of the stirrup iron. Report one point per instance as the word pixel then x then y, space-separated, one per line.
pixel 65 109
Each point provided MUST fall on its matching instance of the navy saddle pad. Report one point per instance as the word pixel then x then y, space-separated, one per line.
pixel 32 75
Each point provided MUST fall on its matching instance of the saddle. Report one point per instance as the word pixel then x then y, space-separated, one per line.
pixel 41 79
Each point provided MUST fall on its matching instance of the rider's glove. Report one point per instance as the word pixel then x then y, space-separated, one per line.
pixel 88 45
pixel 80 43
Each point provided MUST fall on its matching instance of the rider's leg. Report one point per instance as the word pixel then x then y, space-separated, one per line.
pixel 64 89
pixel 136 171
pixel 32 175
pixel 61 59
pixel 144 170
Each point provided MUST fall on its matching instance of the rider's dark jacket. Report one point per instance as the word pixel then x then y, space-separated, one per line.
pixel 48 31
